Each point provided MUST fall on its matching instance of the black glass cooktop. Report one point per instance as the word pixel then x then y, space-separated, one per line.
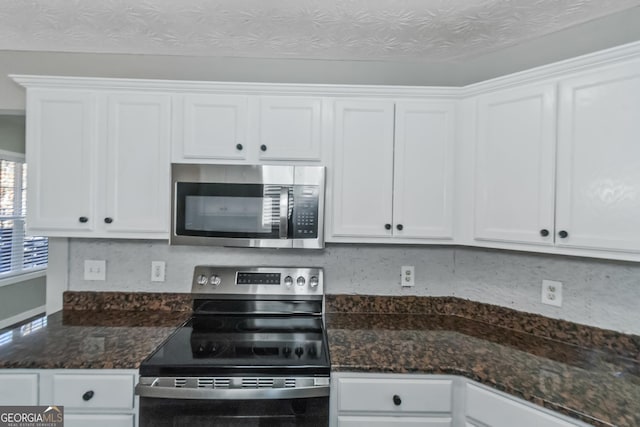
pixel 242 345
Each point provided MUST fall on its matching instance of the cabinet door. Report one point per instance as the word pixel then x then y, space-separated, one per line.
pixel 61 143
pixel 137 164
pixel 19 389
pixel 290 128
pixel 494 410
pixel 423 170
pixel 363 168
pixel 214 127
pixel 98 420
pixel 599 160
pixel 515 164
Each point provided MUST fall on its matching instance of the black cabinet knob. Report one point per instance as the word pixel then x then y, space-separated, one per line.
pixel 396 400
pixel 108 220
pixel 387 226
pixel 263 147
pixel 563 234
pixel 544 232
pixel 239 147
pixel 83 219
pixel 88 396
pixel 399 227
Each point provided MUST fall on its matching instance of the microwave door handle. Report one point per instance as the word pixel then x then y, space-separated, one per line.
pixel 284 212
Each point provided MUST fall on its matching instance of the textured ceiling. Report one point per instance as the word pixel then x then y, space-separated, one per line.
pixel 427 30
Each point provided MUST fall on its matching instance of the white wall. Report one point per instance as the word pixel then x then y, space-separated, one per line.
pixel 597 293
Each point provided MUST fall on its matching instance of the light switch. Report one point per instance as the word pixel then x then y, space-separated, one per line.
pixel 95 269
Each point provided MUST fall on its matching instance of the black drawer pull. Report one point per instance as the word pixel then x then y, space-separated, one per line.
pixel 263 147
pixel 239 147
pixel 563 234
pixel 399 227
pixel 396 400
pixel 387 226
pixel 88 396
pixel 544 232
pixel 83 219
pixel 108 220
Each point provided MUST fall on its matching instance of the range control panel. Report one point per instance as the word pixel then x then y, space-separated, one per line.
pixel 258 280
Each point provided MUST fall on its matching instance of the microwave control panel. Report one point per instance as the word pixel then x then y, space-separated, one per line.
pixel 305 212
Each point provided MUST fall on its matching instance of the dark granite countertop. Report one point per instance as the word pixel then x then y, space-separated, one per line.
pixel 584 372
pixel 111 339
pixel 598 387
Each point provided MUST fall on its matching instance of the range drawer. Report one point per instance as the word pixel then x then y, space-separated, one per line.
pixel 93 391
pixel 377 395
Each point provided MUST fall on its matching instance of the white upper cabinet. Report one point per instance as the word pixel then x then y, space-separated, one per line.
pixel 423 170
pixel 290 128
pixel 137 198
pixel 212 127
pixel 515 165
pixel 246 129
pixel 363 168
pixel 61 145
pixel 98 164
pixel 598 175
pixel 393 170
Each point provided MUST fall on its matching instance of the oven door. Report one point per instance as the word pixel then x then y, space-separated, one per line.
pixel 199 402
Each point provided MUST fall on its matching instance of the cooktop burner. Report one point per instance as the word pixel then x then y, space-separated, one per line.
pixel 245 333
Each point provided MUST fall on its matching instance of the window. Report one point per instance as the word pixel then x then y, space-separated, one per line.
pixel 18 253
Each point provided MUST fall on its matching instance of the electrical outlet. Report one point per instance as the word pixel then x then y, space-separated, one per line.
pixel 95 269
pixel 552 293
pixel 407 275
pixel 157 271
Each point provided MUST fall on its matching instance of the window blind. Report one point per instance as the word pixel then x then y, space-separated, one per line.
pixel 18 253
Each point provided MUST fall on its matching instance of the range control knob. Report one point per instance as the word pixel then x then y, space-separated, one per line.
pixel 300 281
pixel 288 281
pixel 286 352
pixel 215 280
pixel 202 280
pixel 313 282
pixel 299 351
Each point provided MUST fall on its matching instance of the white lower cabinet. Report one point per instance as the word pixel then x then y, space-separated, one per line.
pixel 90 397
pixel 98 420
pixel 495 410
pixel 393 422
pixel 18 389
pixel 93 391
pixel 359 400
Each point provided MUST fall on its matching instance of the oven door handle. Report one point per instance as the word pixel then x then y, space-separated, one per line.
pixel 284 212
pixel 160 392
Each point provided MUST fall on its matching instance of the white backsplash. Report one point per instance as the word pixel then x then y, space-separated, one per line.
pixel 595 292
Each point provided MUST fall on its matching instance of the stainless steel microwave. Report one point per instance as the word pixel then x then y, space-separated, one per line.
pixel 247 206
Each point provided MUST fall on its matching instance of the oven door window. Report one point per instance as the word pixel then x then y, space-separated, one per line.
pixel 231 210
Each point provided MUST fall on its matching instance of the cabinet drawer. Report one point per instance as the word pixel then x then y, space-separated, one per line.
pixel 100 391
pixel 393 422
pixel 98 420
pixel 19 389
pixel 498 411
pixel 377 395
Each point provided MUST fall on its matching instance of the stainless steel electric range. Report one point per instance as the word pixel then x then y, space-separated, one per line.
pixel 254 353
